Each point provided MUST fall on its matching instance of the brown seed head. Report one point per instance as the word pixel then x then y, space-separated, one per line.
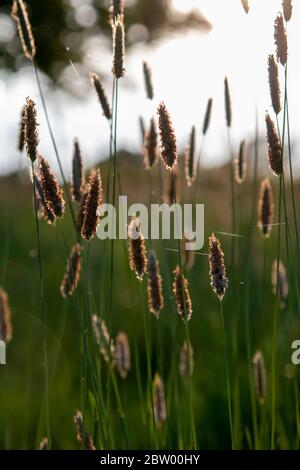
pixel 151 147
pixel 116 9
pixel 282 288
pixel 281 40
pixel 118 48
pixel 122 354
pixel 148 80
pixel 245 4
pixel 6 330
pixel 31 129
pixel 287 9
pixel 154 286
pixel 240 163
pixel 259 377
pixel 53 193
pixel 77 173
pixel 96 82
pixel 21 142
pixel 265 208
pixel 72 274
pixel 20 15
pixel 102 337
pixel 182 295
pixel 217 271
pixel 274 84
pixel 45 210
pixel 227 103
pixel 92 202
pixel 207 116
pixel 159 403
pixel 80 211
pixel 167 138
pixel 137 249
pixel 190 168
pixel 186 361
pixel 274 147
pixel 44 444
pixel 83 437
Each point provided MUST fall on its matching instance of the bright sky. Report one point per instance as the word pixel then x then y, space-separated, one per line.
pixel 187 70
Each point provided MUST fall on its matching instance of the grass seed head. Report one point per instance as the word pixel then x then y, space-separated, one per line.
pixel 77 173
pixel 154 286
pixel 137 249
pixel 186 361
pixel 96 82
pixel 287 9
pixel 228 112
pixel 31 129
pixel 167 138
pixel 240 163
pixel 52 191
pixel 20 15
pixel 217 270
pixel 148 80
pixel 21 141
pixel 282 286
pixel 72 274
pixel 190 167
pixel 116 9
pixel 45 210
pixel 274 84
pixel 265 208
pixel 122 354
pixel 245 4
pixel 281 40
pixel 151 147
pixel 118 48
pixel 6 330
pixel 92 202
pixel 259 377
pixel 159 403
pixel 207 116
pixel 274 147
pixel 182 295
pixel 83 437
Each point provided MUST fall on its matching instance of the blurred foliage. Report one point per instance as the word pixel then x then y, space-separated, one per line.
pixel 61 24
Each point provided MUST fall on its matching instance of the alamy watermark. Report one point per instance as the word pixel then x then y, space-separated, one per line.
pixel 155 223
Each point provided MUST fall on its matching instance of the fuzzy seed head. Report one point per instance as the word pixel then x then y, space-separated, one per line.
pixel 167 138
pixel 77 173
pixel 45 210
pixel 72 274
pixel 92 201
pixel 154 286
pixel 148 80
pixel 265 208
pixel 240 163
pixel 137 249
pixel 281 288
pixel 228 111
pixel 186 361
pixel 190 168
pixel 259 377
pixel 102 337
pixel 96 82
pixel 116 9
pixel 31 129
pixel 20 15
pixel 281 40
pixel 159 403
pixel 21 141
pixel 182 295
pixel 287 9
pixel 151 147
pixel 217 270
pixel 53 193
pixel 274 147
pixel 83 437
pixel 6 330
pixel 207 116
pixel 274 84
pixel 122 354
pixel 245 4
pixel 118 48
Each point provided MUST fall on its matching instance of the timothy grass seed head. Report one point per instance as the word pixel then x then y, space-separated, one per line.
pixel 182 295
pixel 53 193
pixel 280 40
pixel 148 80
pixel 118 48
pixel 92 201
pixel 274 147
pixel 20 15
pixel 190 168
pixel 137 249
pixel 259 377
pixel 274 84
pixel 122 354
pixel 265 208
pixel 31 129
pixel 96 82
pixel 154 286
pixel 6 330
pixel 159 402
pixel 217 271
pixel 167 138
pixel 151 147
pixel 77 173
pixel 72 275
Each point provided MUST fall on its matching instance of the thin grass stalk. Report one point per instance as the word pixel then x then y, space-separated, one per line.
pixel 275 321
pixel 227 376
pixel 187 334
pixel 232 186
pixel 67 192
pixel 196 185
pixel 42 312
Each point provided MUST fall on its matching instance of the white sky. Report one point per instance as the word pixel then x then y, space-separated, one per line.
pixel 187 70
